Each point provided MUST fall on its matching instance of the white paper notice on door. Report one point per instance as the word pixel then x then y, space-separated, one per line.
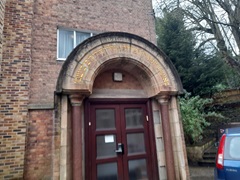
pixel 109 138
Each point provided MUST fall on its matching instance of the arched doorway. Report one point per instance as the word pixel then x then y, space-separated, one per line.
pixel 126 83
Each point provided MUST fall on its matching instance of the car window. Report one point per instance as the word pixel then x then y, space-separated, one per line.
pixel 232 148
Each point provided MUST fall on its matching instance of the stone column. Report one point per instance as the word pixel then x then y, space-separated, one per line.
pixel 164 106
pixel 76 102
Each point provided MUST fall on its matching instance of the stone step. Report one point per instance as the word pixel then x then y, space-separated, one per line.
pixel 209 156
pixel 211 150
pixel 207 162
pixel 210 153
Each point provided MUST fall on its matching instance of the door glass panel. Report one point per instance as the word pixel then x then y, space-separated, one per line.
pixel 134 118
pixel 106 146
pixel 137 169
pixel 107 171
pixel 135 143
pixel 105 119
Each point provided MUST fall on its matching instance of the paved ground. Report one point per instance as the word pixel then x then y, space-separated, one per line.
pixel 201 173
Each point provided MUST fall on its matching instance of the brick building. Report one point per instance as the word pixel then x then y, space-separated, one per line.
pixel 107 110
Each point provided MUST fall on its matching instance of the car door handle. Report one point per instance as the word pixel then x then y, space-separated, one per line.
pixel 120 148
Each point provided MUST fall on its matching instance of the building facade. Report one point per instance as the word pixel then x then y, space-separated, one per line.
pixel 85 93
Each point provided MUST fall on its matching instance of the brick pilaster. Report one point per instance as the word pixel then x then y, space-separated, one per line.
pixel 14 86
pixel 2 12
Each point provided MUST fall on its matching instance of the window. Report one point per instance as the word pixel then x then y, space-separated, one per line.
pixel 68 40
pixel 232 148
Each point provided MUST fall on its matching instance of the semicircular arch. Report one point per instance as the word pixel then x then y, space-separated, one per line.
pixel 90 57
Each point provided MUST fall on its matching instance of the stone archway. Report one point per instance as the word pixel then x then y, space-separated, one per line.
pixel 86 60
pixel 132 54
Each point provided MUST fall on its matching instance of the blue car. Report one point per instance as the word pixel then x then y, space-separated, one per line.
pixel 228 158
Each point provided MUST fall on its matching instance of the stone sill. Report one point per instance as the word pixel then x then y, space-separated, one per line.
pixel 40 106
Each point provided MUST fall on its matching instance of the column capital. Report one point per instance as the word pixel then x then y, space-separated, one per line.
pixel 76 99
pixel 163 99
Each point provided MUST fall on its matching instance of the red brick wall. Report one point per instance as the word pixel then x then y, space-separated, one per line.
pixel 38 159
pixel 95 15
pixel 14 86
pixel 29 71
pixel 105 81
pixel 2 11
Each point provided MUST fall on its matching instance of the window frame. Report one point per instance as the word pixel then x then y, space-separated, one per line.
pixel 74 39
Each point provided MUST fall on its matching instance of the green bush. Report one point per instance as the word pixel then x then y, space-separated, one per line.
pixel 194 117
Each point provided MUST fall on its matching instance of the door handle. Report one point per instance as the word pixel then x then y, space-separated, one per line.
pixel 120 148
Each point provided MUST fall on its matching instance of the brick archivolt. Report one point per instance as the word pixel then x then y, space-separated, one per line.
pixel 94 55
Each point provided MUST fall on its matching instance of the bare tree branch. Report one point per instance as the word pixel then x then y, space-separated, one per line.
pixel 219 21
pixel 204 42
pixel 207 30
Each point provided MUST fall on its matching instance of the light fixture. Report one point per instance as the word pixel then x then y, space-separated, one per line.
pixel 117 76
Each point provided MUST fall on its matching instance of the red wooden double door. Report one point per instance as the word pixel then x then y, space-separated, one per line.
pixel 119 143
